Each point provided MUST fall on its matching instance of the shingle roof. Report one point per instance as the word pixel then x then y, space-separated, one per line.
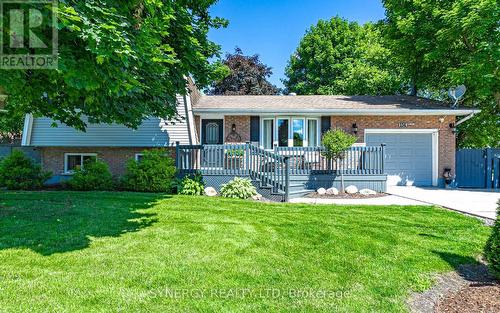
pixel 318 104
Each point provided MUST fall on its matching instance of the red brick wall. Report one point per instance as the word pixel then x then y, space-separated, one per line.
pixel 116 158
pixel 242 127
pixel 446 137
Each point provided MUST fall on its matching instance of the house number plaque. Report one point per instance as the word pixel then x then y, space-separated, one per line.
pixel 405 124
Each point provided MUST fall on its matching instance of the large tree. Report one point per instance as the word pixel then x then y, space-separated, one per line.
pixel 245 75
pixel 119 61
pixel 448 43
pixel 342 57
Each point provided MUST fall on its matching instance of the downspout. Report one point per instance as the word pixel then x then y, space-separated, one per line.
pixel 468 117
pixel 190 120
pixel 28 125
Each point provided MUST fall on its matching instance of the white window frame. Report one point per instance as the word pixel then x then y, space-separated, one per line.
pixel 66 155
pixel 290 119
pixel 137 155
pixel 318 131
pixel 261 135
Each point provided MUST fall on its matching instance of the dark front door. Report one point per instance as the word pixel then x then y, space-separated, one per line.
pixel 212 132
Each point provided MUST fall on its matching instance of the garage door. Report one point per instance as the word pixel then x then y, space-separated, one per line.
pixel 408 157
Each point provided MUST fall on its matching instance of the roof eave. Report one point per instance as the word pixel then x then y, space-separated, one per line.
pixel 346 112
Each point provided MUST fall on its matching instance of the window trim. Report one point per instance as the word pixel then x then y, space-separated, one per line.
pixel 137 155
pixel 290 119
pixel 66 155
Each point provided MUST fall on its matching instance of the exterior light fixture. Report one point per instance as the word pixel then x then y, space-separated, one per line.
pixel 355 128
pixel 453 128
pixel 233 127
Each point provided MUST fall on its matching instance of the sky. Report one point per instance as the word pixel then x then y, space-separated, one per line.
pixel 273 28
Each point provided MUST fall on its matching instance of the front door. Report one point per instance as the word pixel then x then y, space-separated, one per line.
pixel 212 132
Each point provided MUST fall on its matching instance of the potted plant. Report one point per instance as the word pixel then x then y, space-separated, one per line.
pixel 234 158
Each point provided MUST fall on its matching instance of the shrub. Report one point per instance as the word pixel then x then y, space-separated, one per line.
pixel 192 186
pixel 336 142
pixel 154 173
pixel 492 249
pixel 18 172
pixel 93 175
pixel 238 188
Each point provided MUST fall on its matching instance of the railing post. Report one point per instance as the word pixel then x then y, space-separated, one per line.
pixel 382 164
pixel 247 157
pixel 177 153
pixel 287 178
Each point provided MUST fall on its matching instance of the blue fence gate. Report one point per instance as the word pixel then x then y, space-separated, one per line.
pixel 478 168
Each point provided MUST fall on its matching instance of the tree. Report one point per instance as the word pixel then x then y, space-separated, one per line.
pixel 342 57
pixel 449 43
pixel 11 123
pixel 245 75
pixel 119 61
pixel 336 143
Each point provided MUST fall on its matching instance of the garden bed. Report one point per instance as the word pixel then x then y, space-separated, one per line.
pixel 344 196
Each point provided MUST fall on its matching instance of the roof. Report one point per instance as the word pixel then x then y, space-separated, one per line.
pixel 346 105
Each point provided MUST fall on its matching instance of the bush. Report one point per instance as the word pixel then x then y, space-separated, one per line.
pixel 154 173
pixel 94 175
pixel 336 142
pixel 192 186
pixel 492 249
pixel 18 172
pixel 238 188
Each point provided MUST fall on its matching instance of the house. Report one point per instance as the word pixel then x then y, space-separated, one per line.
pixel 418 135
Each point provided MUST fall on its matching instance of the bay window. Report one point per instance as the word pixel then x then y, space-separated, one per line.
pixel 289 132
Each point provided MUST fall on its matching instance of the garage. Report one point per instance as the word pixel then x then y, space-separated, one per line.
pixel 409 156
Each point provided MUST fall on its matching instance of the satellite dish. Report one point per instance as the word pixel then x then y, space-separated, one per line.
pixel 457 93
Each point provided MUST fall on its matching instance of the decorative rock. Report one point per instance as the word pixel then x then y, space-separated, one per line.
pixel 257 197
pixel 321 191
pixel 351 189
pixel 210 191
pixel 332 191
pixel 367 192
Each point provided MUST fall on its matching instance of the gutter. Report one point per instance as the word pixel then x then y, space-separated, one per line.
pixel 344 112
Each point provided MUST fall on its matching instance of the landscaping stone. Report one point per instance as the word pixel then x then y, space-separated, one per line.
pixel 332 191
pixel 257 197
pixel 351 189
pixel 367 192
pixel 210 191
pixel 321 191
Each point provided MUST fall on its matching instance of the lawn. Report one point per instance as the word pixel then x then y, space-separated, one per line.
pixel 82 252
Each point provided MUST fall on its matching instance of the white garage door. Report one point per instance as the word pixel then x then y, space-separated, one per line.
pixel 408 157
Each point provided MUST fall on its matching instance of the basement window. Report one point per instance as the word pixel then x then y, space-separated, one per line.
pixel 72 161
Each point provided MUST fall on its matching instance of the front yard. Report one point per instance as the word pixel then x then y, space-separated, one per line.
pixel 130 252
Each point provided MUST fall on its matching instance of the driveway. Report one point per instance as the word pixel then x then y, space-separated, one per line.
pixel 478 203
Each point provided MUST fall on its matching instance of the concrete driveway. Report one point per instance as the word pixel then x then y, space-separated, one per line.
pixel 478 203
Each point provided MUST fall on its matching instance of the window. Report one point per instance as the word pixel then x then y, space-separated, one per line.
pixel 267 133
pixel 282 132
pixel 74 160
pixel 298 132
pixel 138 157
pixel 312 133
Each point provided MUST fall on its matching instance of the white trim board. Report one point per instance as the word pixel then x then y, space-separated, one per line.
pixel 435 144
pixel 28 126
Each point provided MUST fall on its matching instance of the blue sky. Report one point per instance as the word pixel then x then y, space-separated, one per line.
pixel 273 28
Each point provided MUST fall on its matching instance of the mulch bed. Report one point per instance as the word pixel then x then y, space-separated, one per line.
pixel 471 288
pixel 344 196
pixel 473 298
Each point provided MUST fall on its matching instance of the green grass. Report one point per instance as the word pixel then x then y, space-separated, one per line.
pixel 129 252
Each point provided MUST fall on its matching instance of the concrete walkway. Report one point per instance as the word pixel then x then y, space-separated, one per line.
pixel 473 202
